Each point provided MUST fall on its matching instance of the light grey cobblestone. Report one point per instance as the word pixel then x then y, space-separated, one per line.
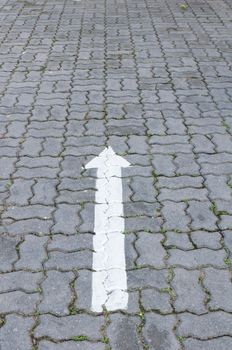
pixel 216 324
pixel 189 294
pixel 69 326
pixel 219 286
pixel 16 331
pixel 70 345
pixel 197 257
pixel 150 249
pixel 158 332
pixel 203 239
pixel 156 300
pixel 8 252
pixel 122 332
pixel 18 302
pixel 175 216
pixel 20 280
pixel 152 79
pixel 177 240
pixel 202 216
pixel 32 253
pixel 57 293
pixel 212 344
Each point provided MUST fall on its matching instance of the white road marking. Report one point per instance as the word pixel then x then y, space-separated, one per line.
pixel 109 279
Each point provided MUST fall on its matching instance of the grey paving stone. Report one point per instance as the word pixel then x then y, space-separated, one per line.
pixel 69 261
pixel 172 149
pixel 23 227
pixel 133 209
pixel 185 194
pixel 228 240
pixel 37 162
pixel 32 253
pixel 40 172
pixel 83 287
pixel 163 165
pixel 15 332
pixel 136 170
pixel 175 126
pixel 126 127
pixel 186 165
pixel 137 144
pixel 131 252
pixel 216 158
pixel 223 142
pixel 189 293
pixel 87 218
pixel 225 222
pixel 218 187
pixel 66 219
pixel 143 223
pixel 150 250
pixel 70 345
pixel 67 327
pixel 4 186
pixel 122 332
pixel 203 239
pixel 143 189
pixel 178 240
pixel 57 294
pixel 146 277
pixel 80 151
pixel 137 160
pixel 153 299
pixel 219 285
pixel 202 216
pixel 70 243
pixel 169 139
pixel 197 257
pixel 158 332
pixel 28 212
pixel 82 76
pixel 211 344
pixel 118 143
pixel 215 324
pixel 212 167
pixel 80 184
pixel 18 302
pixel 70 197
pixel 44 192
pixel 21 192
pixel 20 280
pixel 223 207
pixel 202 143
pixel 133 303
pixel 6 166
pixel 175 216
pixel 49 132
pixel 52 147
pixel 72 166
pixel 180 182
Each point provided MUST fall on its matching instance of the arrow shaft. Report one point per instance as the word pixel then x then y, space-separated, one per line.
pixel 109 281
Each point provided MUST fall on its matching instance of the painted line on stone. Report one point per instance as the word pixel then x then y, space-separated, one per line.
pixel 109 279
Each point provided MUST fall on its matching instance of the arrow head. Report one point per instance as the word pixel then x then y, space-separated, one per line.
pixel 107 158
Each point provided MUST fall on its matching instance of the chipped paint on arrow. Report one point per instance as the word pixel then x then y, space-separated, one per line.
pixel 109 279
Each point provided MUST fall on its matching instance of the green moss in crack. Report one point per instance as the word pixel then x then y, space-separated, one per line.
pixel 80 338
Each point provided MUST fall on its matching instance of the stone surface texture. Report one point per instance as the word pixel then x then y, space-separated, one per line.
pixel 152 79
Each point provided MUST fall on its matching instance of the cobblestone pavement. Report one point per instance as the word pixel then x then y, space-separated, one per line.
pixel 151 78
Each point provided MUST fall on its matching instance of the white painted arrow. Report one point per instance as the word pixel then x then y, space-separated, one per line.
pixel 109 280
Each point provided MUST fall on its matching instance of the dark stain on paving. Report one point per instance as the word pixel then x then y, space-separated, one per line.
pixel 126 336
pixel 158 339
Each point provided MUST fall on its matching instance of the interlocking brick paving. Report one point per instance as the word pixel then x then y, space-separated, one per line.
pixel 152 79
